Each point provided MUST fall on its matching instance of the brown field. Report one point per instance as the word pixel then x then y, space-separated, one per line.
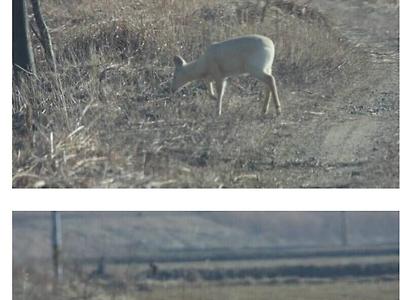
pixel 124 282
pixel 106 119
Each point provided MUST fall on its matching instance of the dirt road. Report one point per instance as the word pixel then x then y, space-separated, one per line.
pixel 354 143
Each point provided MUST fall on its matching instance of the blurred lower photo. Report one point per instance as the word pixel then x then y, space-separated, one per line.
pixel 205 255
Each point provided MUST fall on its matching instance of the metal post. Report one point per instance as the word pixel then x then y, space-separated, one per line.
pixel 343 227
pixel 57 246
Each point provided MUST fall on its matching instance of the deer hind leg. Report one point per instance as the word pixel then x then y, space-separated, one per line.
pixel 266 100
pixel 269 80
pixel 220 86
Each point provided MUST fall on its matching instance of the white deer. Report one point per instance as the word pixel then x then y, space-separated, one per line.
pixel 251 54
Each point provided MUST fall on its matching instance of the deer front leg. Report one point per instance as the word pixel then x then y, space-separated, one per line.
pixel 220 85
pixel 211 90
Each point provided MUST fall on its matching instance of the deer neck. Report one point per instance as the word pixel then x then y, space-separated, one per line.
pixel 196 69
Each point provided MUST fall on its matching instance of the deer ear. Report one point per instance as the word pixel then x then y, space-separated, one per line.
pixel 179 61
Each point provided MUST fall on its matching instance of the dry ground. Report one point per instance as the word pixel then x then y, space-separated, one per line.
pixel 329 291
pixel 107 119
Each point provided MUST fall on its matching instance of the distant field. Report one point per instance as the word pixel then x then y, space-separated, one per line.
pixel 325 261
pixel 200 236
pixel 346 273
pixel 298 269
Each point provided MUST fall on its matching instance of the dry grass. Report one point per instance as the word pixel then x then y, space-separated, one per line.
pixel 328 291
pixel 107 119
pixel 30 285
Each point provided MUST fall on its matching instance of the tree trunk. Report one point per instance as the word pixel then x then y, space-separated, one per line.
pixel 44 34
pixel 22 53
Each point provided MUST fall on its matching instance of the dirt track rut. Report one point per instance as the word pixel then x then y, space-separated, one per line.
pixel 361 149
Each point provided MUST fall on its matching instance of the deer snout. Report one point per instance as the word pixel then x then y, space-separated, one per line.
pixel 173 87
